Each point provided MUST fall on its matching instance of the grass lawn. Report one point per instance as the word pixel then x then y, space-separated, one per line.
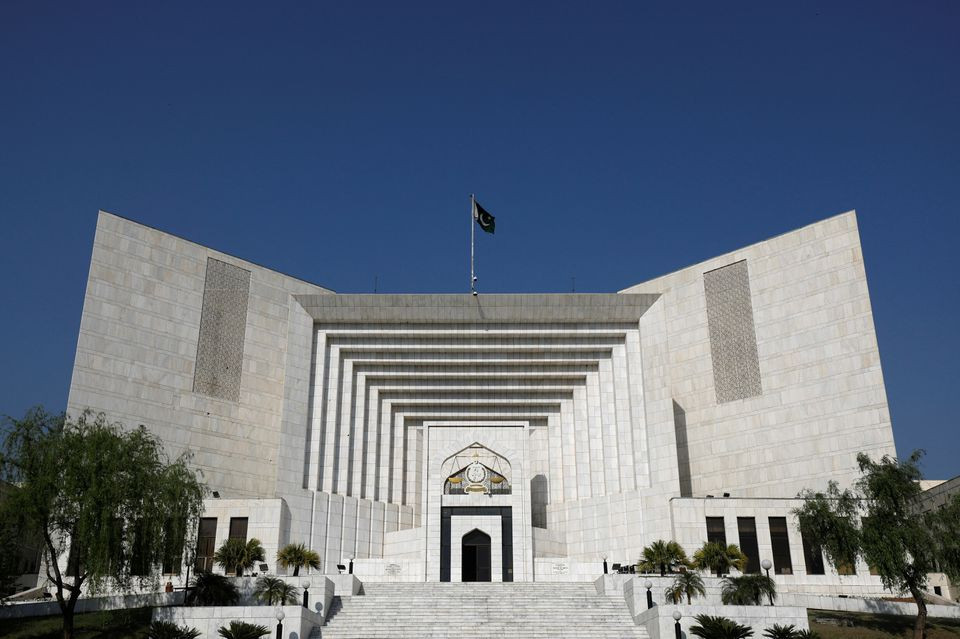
pixel 830 624
pixel 112 624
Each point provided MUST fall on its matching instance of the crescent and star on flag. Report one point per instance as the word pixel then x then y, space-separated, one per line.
pixel 487 223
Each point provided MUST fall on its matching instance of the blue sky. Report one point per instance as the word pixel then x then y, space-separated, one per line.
pixel 614 141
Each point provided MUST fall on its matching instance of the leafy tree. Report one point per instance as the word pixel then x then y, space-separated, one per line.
pixel 273 591
pixel 748 590
pixel 298 556
pixel 210 589
pixel 776 631
pixel 242 630
pixel 686 584
pixel 170 630
pixel 663 556
pixel 110 495
pixel 237 555
pixel 714 556
pixel 881 521
pixel 719 628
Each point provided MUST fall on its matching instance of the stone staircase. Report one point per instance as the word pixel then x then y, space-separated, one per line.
pixel 479 610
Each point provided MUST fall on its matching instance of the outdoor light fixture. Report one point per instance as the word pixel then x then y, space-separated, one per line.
pixel 648 585
pixel 216 494
pixel 279 617
pixel 351 558
pixel 766 565
pixel 306 594
pixel 676 624
pixel 605 570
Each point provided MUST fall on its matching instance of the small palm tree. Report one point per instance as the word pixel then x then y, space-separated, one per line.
pixel 714 556
pixel 242 630
pixel 719 628
pixel 776 631
pixel 807 634
pixel 209 589
pixel 663 556
pixel 273 591
pixel 748 590
pixel 169 630
pixel 235 555
pixel 686 584
pixel 298 556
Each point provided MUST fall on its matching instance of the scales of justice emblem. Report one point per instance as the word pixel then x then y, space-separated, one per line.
pixel 476 476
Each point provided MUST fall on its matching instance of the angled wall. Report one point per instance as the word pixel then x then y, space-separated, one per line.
pixel 773 364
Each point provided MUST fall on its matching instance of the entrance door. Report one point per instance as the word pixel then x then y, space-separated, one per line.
pixel 476 556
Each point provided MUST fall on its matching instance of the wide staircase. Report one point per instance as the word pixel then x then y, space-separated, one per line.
pixel 480 610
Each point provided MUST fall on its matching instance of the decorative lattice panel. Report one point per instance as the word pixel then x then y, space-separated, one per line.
pixel 223 323
pixel 733 338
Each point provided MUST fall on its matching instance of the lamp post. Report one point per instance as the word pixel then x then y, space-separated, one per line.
pixel 676 624
pixel 279 617
pixel 351 558
pixel 649 584
pixel 605 569
pixel 306 593
pixel 766 565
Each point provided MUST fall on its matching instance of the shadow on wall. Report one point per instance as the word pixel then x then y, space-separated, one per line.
pixel 538 501
pixel 683 451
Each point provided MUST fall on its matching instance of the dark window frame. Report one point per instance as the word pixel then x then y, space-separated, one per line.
pixel 780 546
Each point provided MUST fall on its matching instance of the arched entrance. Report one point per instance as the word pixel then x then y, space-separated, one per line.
pixel 476 556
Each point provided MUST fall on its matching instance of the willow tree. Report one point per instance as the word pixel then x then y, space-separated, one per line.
pixel 108 504
pixel 883 521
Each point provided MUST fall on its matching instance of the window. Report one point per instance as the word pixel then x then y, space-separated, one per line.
pixel 173 547
pixel 938 591
pixel 238 528
pixel 780 544
pixel 747 528
pixel 716 531
pixel 812 557
pixel 846 568
pixel 206 538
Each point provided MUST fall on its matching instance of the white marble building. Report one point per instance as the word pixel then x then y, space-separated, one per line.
pixel 501 437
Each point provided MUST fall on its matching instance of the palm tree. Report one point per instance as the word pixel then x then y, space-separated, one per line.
pixel 170 630
pixel 236 555
pixel 748 590
pixel 663 556
pixel 686 584
pixel 719 628
pixel 776 631
pixel 273 591
pixel 242 630
pixel 807 634
pixel 209 589
pixel 298 556
pixel 714 556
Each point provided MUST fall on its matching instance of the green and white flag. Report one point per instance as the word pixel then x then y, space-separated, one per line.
pixel 486 221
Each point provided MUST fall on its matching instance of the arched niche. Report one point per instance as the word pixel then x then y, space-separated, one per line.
pixel 476 469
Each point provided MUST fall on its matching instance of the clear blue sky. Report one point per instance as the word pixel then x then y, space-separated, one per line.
pixel 614 141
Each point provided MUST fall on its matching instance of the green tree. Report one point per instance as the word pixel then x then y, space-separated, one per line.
pixel 714 556
pixel 748 590
pixel 237 555
pixel 298 556
pixel 776 631
pixel 242 630
pixel 686 584
pixel 881 521
pixel 170 630
pixel 663 556
pixel 709 627
pixel 273 591
pixel 211 589
pixel 109 495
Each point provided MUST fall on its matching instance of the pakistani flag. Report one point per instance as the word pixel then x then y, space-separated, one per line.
pixel 486 221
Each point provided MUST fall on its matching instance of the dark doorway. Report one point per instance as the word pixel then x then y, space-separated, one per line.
pixel 476 556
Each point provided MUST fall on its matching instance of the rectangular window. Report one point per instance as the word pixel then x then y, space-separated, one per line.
pixel 139 558
pixel 846 568
pixel 780 544
pixel 812 557
pixel 238 528
pixel 747 528
pixel 716 531
pixel 173 547
pixel 206 540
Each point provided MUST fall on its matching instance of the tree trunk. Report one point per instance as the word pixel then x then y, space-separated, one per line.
pixel 296 570
pixel 689 602
pixel 663 570
pixel 920 627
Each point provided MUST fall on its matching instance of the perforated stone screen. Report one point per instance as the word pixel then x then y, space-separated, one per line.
pixel 733 337
pixel 223 322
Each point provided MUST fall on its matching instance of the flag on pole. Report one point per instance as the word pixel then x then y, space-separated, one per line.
pixel 486 221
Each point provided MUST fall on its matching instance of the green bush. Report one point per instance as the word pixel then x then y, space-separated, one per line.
pixel 719 628
pixel 170 630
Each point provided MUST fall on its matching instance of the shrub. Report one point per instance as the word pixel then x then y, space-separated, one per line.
pixel 169 630
pixel 776 631
pixel 298 556
pixel 719 558
pixel 273 591
pixel 237 555
pixel 686 584
pixel 242 630
pixel 662 556
pixel 210 589
pixel 719 628
pixel 748 590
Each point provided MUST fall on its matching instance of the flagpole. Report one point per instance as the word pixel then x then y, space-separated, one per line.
pixel 473 279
